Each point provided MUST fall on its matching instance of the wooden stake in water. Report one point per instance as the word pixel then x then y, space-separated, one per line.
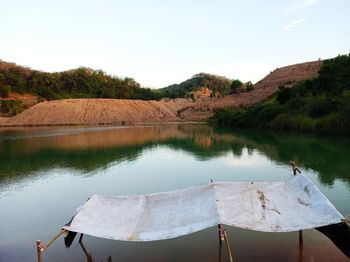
pixel 222 237
pixel 228 246
pixel 39 250
pixel 295 168
pixel 301 246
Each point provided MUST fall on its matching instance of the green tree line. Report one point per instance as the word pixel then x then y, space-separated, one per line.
pixel 78 83
pixel 88 83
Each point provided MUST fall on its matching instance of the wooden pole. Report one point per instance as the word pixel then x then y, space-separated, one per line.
pixel 295 168
pixel 81 238
pixel 220 251
pixel 54 238
pixel 301 246
pixel 87 254
pixel 39 250
pixel 228 246
pixel 221 233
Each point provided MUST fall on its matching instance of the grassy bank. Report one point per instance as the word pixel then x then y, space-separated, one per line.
pixel 321 104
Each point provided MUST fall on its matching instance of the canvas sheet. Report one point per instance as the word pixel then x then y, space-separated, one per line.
pixel 264 206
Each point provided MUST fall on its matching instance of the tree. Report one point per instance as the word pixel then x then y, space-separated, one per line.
pixel 249 86
pixel 5 91
pixel 235 84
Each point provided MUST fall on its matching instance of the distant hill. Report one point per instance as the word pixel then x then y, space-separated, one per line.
pixel 218 85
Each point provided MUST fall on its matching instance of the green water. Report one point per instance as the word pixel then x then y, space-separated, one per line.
pixel 46 173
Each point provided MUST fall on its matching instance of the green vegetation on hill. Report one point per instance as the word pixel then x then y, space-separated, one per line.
pixel 321 104
pixel 219 85
pixel 77 83
pixel 88 83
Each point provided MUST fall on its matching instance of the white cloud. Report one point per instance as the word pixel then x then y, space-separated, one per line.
pixel 301 4
pixel 293 24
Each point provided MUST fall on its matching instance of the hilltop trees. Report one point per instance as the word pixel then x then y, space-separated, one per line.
pixel 78 83
pixel 85 82
pixel 217 84
pixel 235 85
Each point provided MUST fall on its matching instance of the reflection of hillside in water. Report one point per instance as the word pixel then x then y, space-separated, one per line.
pixel 327 155
pixel 26 151
pixel 88 151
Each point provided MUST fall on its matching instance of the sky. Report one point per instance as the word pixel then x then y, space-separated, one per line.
pixel 161 42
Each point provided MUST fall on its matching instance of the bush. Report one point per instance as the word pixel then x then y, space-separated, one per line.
pixel 284 94
pixel 47 93
pixel 235 85
pixel 320 106
pixel 283 121
pixel 12 107
pixel 269 112
pixel 249 87
pixel 5 91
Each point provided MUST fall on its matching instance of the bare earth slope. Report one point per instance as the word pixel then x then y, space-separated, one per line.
pixel 92 111
pixel 120 112
pixel 287 76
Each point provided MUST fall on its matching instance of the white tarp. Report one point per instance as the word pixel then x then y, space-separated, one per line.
pixel 264 206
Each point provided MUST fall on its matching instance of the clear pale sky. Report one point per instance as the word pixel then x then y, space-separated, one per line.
pixel 160 42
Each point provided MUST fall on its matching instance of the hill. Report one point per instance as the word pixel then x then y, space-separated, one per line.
pixel 112 111
pixel 218 86
pixel 287 76
pixel 318 104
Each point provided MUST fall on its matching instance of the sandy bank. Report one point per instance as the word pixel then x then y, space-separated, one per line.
pixel 93 112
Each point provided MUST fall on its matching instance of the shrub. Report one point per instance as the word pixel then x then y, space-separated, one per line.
pixel 249 87
pixel 235 85
pixel 284 94
pixel 12 107
pixel 47 93
pixel 5 91
pixel 269 112
pixel 283 121
pixel 320 106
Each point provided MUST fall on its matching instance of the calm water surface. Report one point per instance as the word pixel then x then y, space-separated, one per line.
pixel 46 173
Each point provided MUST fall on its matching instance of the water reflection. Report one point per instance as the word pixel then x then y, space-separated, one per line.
pixel 339 234
pixel 46 173
pixel 87 150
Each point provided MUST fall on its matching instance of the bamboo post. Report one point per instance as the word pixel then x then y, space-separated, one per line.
pixel 295 168
pixel 220 251
pixel 39 250
pixel 221 233
pixel 228 246
pixel 87 254
pixel 301 246
pixel 54 238
pixel 81 238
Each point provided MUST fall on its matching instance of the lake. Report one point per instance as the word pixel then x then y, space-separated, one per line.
pixel 46 173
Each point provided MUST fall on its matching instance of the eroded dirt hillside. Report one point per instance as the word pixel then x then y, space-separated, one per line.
pixel 92 112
